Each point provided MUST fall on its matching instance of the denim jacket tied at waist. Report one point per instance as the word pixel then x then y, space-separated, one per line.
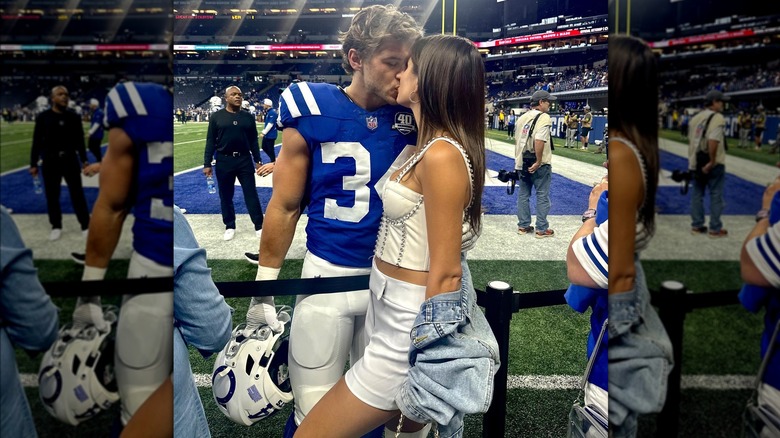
pixel 453 360
pixel 640 353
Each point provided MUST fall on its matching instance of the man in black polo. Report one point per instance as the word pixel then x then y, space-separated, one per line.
pixel 232 134
pixel 58 138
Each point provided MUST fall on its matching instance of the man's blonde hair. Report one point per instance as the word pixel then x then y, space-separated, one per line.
pixel 374 25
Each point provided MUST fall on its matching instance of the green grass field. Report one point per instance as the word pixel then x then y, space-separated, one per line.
pixel 586 156
pixel 544 342
pixel 16 142
pixel 190 144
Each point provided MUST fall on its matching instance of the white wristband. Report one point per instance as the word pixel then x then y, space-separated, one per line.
pixel 265 273
pixel 92 273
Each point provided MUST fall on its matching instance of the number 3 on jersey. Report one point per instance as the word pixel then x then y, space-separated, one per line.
pixel 157 151
pixel 357 183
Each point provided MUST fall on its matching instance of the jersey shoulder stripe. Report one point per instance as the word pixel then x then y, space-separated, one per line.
pixel 130 99
pixel 303 99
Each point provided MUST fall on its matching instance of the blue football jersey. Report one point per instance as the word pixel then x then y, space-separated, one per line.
pixel 350 150
pixel 97 117
pixel 271 117
pixel 143 111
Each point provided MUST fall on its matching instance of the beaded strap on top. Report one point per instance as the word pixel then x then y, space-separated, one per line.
pixel 416 157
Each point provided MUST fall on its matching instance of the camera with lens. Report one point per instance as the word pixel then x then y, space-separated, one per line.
pixel 683 176
pixel 507 175
pixel 510 177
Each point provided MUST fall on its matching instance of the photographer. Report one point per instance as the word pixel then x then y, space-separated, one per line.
pixel 707 160
pixel 533 154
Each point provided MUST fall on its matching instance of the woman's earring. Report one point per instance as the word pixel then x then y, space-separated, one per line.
pixel 412 100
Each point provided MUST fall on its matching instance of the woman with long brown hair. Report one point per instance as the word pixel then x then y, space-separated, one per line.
pixel 432 216
pixel 640 353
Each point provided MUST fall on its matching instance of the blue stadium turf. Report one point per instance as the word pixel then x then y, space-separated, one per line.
pixel 17 193
pixel 568 197
pixel 742 197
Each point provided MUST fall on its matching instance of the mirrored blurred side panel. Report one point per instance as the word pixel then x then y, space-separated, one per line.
pixel 712 144
pixel 86 168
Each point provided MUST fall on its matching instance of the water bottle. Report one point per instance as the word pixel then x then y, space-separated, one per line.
pixel 210 184
pixel 37 185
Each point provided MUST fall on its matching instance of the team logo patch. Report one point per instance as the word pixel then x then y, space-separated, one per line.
pixel 404 123
pixel 235 122
pixel 372 122
pixel 254 394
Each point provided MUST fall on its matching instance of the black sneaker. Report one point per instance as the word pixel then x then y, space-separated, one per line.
pixel 78 258
pixel 525 230
pixel 251 257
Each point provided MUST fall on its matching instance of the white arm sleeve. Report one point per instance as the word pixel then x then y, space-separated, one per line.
pixel 592 253
pixel 267 128
pixel 764 251
pixel 93 128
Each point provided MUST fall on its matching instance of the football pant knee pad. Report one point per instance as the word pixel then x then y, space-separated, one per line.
pixel 144 348
pixel 320 340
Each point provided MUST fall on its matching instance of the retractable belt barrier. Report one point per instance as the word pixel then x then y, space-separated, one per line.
pixel 674 302
pixel 131 286
pixel 499 303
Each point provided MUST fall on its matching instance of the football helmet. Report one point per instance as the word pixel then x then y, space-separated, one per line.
pixel 76 376
pixel 250 379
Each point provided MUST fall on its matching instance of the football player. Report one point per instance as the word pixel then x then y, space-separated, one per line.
pixel 338 143
pixel 95 137
pixel 137 173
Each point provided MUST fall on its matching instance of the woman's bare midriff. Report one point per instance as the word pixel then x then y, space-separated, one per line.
pixel 419 278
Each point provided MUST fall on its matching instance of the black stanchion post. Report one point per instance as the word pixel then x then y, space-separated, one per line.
pixel 672 313
pixel 499 314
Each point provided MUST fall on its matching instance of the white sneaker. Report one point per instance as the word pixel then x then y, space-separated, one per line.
pixel 55 234
pixel 259 233
pixel 229 233
pixel 85 233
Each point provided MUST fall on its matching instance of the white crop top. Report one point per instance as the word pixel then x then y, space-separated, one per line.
pixel 403 235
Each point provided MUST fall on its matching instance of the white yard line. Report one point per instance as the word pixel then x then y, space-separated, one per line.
pixel 554 382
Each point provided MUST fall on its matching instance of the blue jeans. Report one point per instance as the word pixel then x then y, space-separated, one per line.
pixel 541 181
pixel 28 320
pixel 715 182
pixel 201 319
pixel 453 358
pixel 640 357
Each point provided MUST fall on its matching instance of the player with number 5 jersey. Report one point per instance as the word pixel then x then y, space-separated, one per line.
pixel 337 144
